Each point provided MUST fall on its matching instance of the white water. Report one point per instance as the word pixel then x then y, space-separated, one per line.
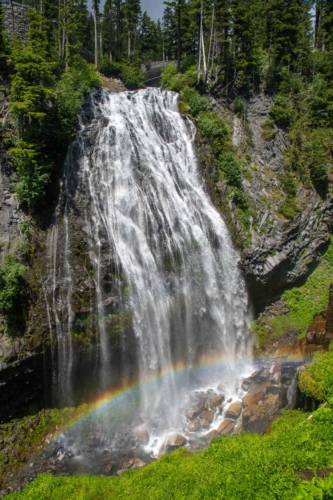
pixel 186 293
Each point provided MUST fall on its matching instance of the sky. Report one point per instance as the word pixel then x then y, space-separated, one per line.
pixel 154 8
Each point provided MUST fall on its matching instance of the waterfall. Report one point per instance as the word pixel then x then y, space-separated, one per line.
pixel 132 179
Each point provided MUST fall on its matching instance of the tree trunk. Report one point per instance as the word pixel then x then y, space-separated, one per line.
pixel 179 40
pixel 200 40
pixel 96 38
pixel 110 33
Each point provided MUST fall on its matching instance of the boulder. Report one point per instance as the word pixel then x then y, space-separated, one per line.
pixel 174 441
pixel 194 425
pixel 226 427
pixel 255 394
pixel 208 415
pixel 191 414
pixel 255 375
pixel 246 385
pixel 216 401
pixel 263 376
pixel 204 423
pixel 234 410
pixel 211 435
pixel 109 466
pixel 258 423
pixel 142 435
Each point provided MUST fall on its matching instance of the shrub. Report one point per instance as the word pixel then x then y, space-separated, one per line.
pixel 176 82
pixel 239 106
pixel 11 287
pixel 109 68
pixel 282 111
pixel 317 380
pixel 230 166
pixel 132 75
pixel 195 101
pixel 215 131
pixel 317 489
pixel 268 130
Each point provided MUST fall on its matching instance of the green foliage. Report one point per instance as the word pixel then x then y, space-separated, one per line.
pixel 230 166
pixel 304 302
pixel 132 75
pixel 268 130
pixel 247 467
pixel 45 108
pixel 195 101
pixel 239 106
pixel 170 80
pixel 317 379
pixel 282 111
pixel 74 83
pixel 289 208
pixel 215 131
pixel 11 291
pixel 109 68
pixel 317 489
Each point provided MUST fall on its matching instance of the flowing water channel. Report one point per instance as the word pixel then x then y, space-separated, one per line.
pixel 150 225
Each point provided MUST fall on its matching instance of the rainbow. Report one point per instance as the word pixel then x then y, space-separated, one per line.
pixel 122 393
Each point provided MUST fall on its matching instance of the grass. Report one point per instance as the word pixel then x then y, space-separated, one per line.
pixel 245 467
pixel 304 302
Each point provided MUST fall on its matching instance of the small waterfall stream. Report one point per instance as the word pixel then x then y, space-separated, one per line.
pixel 151 227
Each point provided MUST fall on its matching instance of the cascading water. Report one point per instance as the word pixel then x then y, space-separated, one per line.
pixel 150 225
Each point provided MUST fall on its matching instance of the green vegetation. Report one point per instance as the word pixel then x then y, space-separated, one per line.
pixel 304 302
pixel 11 292
pixel 317 380
pixel 20 439
pixel 245 467
pixel 268 130
pixel 130 73
pixel 317 489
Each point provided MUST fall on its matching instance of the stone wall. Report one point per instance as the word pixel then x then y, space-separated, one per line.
pixel 16 19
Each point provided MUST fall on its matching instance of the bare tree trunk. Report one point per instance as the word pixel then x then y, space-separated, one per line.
pixel 200 41
pixel 179 40
pixel 96 38
pixel 203 51
pixel 110 33
pixel 210 43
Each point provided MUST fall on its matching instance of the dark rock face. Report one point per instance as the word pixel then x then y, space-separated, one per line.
pixel 281 252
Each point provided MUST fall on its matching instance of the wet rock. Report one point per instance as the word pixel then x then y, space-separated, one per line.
pixel 255 394
pixel 133 463
pixel 142 435
pixel 204 423
pixel 191 414
pixel 226 427
pixel 246 385
pixel 258 423
pixel 310 349
pixel 216 401
pixel 234 410
pixel 194 425
pixel 211 435
pixel 208 415
pixel 174 441
pixel 263 376
pixel 255 375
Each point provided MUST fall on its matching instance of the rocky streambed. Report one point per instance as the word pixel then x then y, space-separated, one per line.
pixel 96 446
